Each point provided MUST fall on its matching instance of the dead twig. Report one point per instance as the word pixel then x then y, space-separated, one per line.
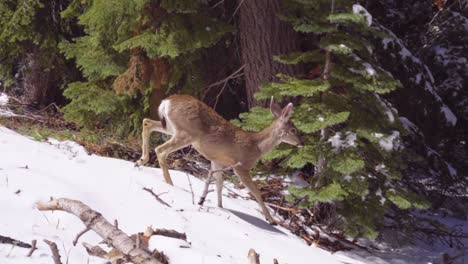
pixel 55 252
pixel 224 81
pixel 47 107
pixel 95 251
pixel 208 180
pixel 235 11
pixel 283 208
pixel 170 233
pixel 14 242
pixel 156 196
pixel 33 248
pixel 254 257
pixel 217 4
pixel 191 189
pixel 75 241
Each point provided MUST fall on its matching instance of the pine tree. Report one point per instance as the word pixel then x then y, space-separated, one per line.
pixel 352 134
pixel 31 62
pixel 133 53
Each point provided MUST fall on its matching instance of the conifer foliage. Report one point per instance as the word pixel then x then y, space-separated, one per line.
pixel 352 134
pixel 133 52
pixel 30 61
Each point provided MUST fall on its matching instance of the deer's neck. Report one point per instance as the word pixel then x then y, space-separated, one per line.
pixel 267 139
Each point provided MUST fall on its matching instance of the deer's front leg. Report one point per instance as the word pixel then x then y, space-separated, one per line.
pixel 177 142
pixel 219 181
pixel 247 181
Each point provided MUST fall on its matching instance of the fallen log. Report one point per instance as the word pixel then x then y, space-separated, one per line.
pixel 96 222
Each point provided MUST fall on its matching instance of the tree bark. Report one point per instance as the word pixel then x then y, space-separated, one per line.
pixel 35 78
pixel 263 35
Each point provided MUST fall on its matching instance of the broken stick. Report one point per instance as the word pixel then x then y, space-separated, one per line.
pixel 33 248
pixel 170 233
pixel 75 241
pixel 156 196
pixel 96 251
pixel 96 222
pixel 14 242
pixel 55 252
pixel 253 257
pixel 208 181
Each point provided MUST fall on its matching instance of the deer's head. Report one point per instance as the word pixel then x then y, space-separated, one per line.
pixel 284 128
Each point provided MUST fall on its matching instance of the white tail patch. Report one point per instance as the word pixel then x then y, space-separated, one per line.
pixel 163 111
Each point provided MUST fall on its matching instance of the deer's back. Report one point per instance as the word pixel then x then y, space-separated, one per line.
pixel 186 113
pixel 213 136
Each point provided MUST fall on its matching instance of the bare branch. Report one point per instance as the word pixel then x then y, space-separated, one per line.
pixel 237 9
pixel 33 248
pixel 253 257
pixel 156 196
pixel 170 233
pixel 14 242
pixel 75 241
pixel 55 252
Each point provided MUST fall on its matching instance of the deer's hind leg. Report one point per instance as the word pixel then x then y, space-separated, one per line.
pixel 244 176
pixel 177 142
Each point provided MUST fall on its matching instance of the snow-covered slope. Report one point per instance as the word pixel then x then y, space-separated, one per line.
pixel 39 170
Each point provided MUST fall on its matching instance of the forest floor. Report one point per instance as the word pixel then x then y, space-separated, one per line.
pixel 34 167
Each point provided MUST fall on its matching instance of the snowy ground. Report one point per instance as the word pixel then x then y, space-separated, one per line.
pixel 32 171
pixel 114 188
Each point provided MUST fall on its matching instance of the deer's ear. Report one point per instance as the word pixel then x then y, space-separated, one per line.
pixel 275 108
pixel 287 112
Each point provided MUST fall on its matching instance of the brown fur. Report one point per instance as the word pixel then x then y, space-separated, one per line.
pixel 191 122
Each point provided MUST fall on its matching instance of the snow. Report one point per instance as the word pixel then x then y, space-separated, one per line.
pixel 4 111
pixel 449 115
pixel 3 99
pixel 359 9
pixel 367 66
pixel 408 125
pixel 114 188
pixel 338 143
pixel 452 170
pixel 387 109
pixel 391 142
pixel 428 85
pixel 348 178
pixel 369 69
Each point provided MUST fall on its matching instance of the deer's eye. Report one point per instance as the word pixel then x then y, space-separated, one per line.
pixel 292 131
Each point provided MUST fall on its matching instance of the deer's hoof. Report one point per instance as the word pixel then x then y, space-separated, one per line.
pixel 272 222
pixel 140 162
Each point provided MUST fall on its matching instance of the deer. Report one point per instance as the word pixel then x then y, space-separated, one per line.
pixel 191 122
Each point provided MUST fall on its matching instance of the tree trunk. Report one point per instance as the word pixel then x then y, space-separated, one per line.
pixel 35 79
pixel 263 35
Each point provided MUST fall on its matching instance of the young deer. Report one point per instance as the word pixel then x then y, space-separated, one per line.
pixel 191 122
